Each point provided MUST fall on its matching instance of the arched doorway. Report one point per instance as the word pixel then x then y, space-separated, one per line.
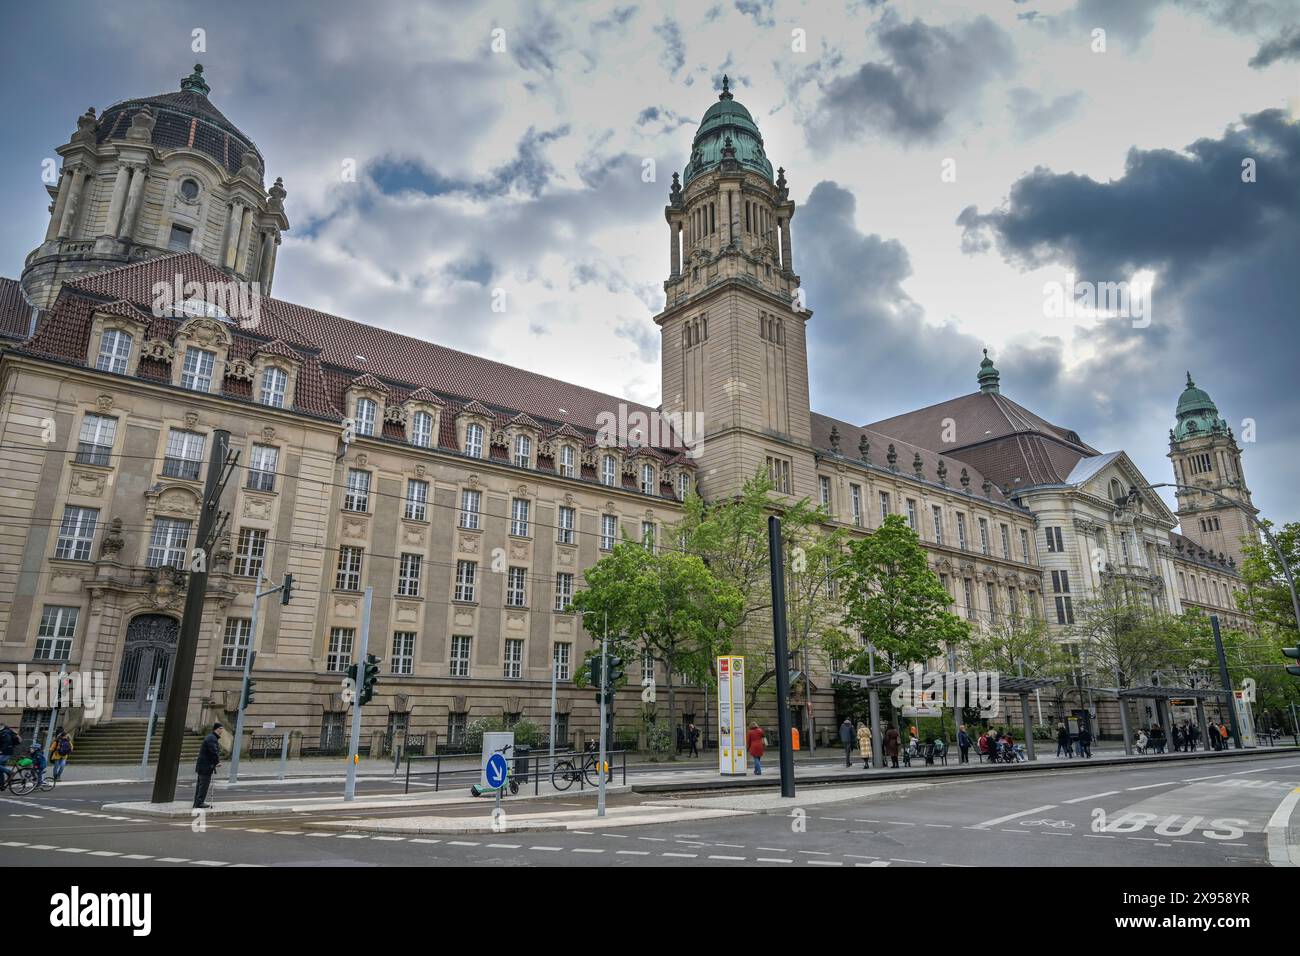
pixel 150 649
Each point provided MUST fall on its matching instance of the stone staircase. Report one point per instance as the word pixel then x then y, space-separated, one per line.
pixel 122 742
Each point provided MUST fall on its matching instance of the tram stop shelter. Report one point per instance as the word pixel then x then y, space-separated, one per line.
pixel 1161 695
pixel 1020 686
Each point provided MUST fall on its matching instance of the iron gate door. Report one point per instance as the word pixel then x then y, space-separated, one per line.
pixel 150 649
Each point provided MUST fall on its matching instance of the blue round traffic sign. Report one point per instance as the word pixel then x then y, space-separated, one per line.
pixel 496 770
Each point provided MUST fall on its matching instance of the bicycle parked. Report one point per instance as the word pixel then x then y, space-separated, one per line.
pixel 25 776
pixel 566 773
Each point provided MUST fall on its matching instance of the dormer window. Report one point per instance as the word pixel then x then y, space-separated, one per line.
pixel 568 468
pixel 523 451
pixel 684 486
pixel 196 373
pixel 474 440
pixel 114 352
pixel 274 383
pixel 608 470
pixel 367 411
pixel 648 479
pixel 422 429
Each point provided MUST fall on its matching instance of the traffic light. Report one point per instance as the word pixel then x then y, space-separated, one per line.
pixel 286 590
pixel 366 692
pixel 248 693
pixel 1294 654
pixel 616 672
pixel 593 668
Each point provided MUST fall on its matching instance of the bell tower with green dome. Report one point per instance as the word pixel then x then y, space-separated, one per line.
pixel 734 355
pixel 1205 454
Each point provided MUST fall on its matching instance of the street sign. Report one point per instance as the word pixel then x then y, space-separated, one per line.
pixel 494 771
pixel 268 725
pixel 493 742
pixel 732 755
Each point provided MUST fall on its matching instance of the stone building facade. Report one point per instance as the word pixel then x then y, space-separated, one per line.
pixel 469 495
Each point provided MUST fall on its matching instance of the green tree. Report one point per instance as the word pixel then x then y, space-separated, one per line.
pixel 1267 596
pixel 894 600
pixel 1122 640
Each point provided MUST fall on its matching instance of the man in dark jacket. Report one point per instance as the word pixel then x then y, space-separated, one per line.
pixel 846 738
pixel 206 766
pixel 8 744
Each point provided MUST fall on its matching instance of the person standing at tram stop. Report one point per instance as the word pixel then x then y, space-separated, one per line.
pixel 864 744
pixel 755 745
pixel 963 744
pixel 846 738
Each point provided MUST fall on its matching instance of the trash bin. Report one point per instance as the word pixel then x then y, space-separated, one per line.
pixel 522 762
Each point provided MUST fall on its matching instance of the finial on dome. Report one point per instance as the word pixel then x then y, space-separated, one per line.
pixel 194 83
pixel 726 88
pixel 988 377
pixel 1190 383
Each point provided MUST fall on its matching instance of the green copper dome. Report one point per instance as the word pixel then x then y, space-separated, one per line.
pixel 988 376
pixel 1197 413
pixel 727 120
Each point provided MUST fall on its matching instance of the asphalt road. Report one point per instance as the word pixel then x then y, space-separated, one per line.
pixel 1201 814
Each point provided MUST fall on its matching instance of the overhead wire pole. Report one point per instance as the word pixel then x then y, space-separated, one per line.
pixel 780 640
pixel 220 463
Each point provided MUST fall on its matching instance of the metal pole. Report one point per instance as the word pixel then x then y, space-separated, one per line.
pixel 148 733
pixel 776 556
pixel 604 683
pixel 187 644
pixel 284 755
pixel 807 695
pixel 248 670
pixel 54 714
pixel 354 742
pixel 1226 681
pixel 1029 727
pixel 873 700
pixel 551 750
pixel 1123 718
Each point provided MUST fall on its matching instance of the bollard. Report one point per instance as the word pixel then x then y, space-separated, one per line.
pixel 284 754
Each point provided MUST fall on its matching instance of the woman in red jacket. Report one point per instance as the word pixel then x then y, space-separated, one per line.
pixel 754 744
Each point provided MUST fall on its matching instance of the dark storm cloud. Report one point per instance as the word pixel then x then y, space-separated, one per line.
pixel 869 354
pixel 1225 301
pixel 1286 46
pixel 928 73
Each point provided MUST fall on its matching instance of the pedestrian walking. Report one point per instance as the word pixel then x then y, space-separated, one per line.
pixel 1085 742
pixel 60 751
pixel 756 746
pixel 892 741
pixel 9 741
pixel 1194 733
pixel 693 738
pixel 864 744
pixel 681 739
pixel 1063 741
pixel 1223 736
pixel 206 766
pixel 846 738
pixel 963 745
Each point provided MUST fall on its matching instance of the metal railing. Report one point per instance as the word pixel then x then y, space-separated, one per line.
pixel 536 763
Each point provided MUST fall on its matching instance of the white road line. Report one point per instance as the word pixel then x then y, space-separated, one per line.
pixel 578 849
pixel 137 856
pixel 825 862
pixel 352 836
pixel 462 843
pixel 335 834
pixel 773 859
pixel 1092 796
pixel 549 849
pixel 73 849
pixel 836 819
pixel 500 846
pixel 654 839
pixel 770 849
pixel 1198 842
pixel 1149 839
pixel 173 859
pixel 900 823
pixel 13 843
pixel 620 836
pixel 1152 786
pixel 897 860
pixel 1012 816
pixel 209 863
pixel 861 856
pixel 814 852
pixel 1101 836
pixel 289 833
pixel 731 846
pixel 388 839
pixel 941 826
pixel 1051 833
pixel 1277 827
pixel 876 863
pixel 685 856
pixel 631 852
pixel 716 856
pixel 418 840
pixel 1210 777
pixel 105 853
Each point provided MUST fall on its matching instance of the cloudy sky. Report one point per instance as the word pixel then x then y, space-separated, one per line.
pixel 949 160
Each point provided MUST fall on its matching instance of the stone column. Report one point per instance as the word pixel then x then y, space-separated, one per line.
pixel 787 262
pixel 263 254
pixel 60 203
pixel 269 273
pixel 133 198
pixel 119 198
pixel 79 177
pixel 234 229
pixel 675 253
pixel 241 250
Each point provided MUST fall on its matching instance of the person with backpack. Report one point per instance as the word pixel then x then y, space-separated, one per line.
pixel 60 751
pixel 846 738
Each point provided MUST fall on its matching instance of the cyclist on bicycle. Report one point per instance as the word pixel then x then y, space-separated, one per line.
pixel 37 755
pixel 8 744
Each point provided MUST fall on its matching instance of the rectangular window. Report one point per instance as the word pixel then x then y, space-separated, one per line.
pixel 357 496
pixel 969 593
pixel 76 533
pixel 523 451
pixel 683 486
pixel 516 587
pixel 936 515
pixel 984 535
pixel 855 504
pixel 114 352
pixel 184 455
pixel 274 382
pixel 348 577
pixel 95 443
pixel 460 645
pixel 564 532
pixel 568 462
pixel 1024 545
pixel 649 483
pixel 235 642
pixel 262 463
pixel 408 575
pixel 990 592
pixel 422 429
pixel 778 469
pixel 403 659
pixel 169 543
pixel 648 535
pixel 911 515
pixel 1006 542
pixel 608 470
pixel 417 499
pixel 196 370
pixel 1055 544
pixel 250 552
pixel 562 655
pixel 179 238
pixel 470 504
pixel 465 574
pixel 884 505
pixel 1061 582
pixel 514 668
pixel 824 486
pixel 519 517
pixel 340 650
pixel 608 532
pixel 456 724
pixel 961 531
pixel 55 633
pixel 563 591
pixel 1064 611
pixel 367 411
pixel 474 440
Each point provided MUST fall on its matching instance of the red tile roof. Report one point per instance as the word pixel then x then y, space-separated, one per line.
pixel 15 313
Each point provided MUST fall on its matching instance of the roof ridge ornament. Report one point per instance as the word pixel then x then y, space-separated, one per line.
pixel 726 88
pixel 194 83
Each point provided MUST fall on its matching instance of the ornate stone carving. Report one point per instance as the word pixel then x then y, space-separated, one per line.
pixel 345 607
pixel 257 507
pixel 469 544
pixel 463 618
pixel 165 587
pixel 240 368
pixel 268 433
pixel 159 350
pixel 113 541
pixel 518 550
pixel 362 459
pixel 104 403
pixel 87 484
pixel 354 527
pixel 191 420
